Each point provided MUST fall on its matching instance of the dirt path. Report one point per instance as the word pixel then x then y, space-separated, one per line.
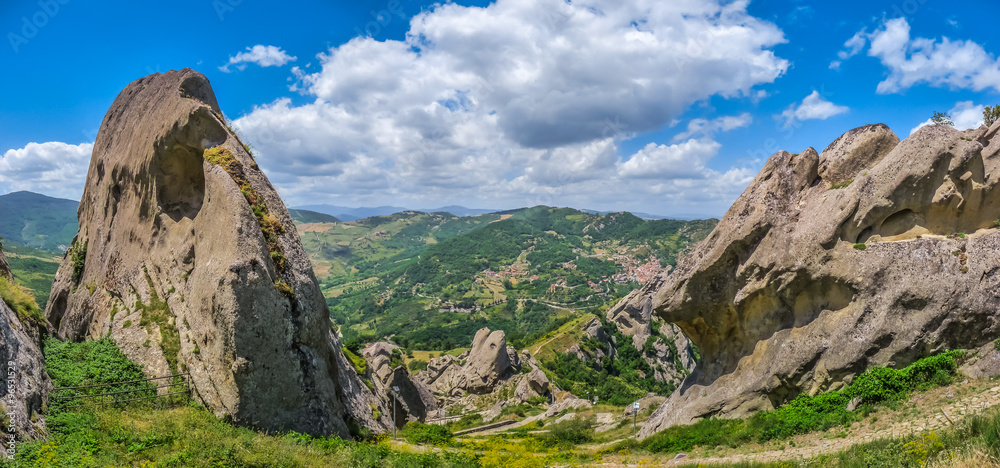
pixel 923 412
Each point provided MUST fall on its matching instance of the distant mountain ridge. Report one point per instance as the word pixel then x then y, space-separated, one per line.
pixel 346 213
pixel 37 220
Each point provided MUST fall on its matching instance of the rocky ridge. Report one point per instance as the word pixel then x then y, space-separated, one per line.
pixel 874 252
pixel 24 393
pixel 186 256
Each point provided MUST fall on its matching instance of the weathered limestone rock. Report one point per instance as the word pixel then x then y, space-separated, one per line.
pixel 413 401
pixel 781 301
pixel 570 402
pixel 862 146
pixel 190 250
pixel 489 361
pixel 24 392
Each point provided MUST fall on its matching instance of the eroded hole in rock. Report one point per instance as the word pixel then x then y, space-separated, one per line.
pixel 825 294
pixel 180 181
pixel 900 222
pixel 199 89
pixel 865 234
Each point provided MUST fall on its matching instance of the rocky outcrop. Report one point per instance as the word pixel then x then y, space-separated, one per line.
pixel 187 257
pixel 24 392
pixel 671 356
pixel 478 370
pixel 831 263
pixel 489 375
pixel 412 401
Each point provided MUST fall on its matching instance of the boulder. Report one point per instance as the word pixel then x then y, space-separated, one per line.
pixel 489 361
pixel 538 382
pixel 192 264
pixel 808 280
pixel 24 393
pixel 859 148
pixel 568 403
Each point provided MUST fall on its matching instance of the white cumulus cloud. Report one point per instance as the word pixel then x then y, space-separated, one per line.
pixel 53 168
pixel 681 161
pixel 710 127
pixel 813 107
pixel 517 99
pixel 265 56
pixel 910 61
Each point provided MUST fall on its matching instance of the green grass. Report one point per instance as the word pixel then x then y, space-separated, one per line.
pixel 144 435
pixel 973 442
pixel 878 385
pixel 21 301
pixel 193 437
pixel 861 246
pixel 359 363
pixel 426 434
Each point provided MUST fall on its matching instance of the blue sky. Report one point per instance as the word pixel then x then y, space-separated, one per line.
pixel 641 105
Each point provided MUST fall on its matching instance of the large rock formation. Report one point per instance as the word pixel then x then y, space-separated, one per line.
pixel 491 373
pixel 188 258
pixel 478 370
pixel 24 393
pixel 407 398
pixel 782 298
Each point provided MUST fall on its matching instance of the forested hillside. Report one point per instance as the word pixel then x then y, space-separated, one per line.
pixel 430 281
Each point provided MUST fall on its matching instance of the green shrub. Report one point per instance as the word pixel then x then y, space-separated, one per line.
pixel 990 114
pixel 466 421
pixel 88 363
pixel 78 259
pixel 570 432
pixel 861 246
pixel 417 365
pixel 419 433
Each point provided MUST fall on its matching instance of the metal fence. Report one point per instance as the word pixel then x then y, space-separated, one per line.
pixel 145 389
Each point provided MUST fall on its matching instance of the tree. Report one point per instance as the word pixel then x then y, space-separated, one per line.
pixel 942 118
pixel 990 114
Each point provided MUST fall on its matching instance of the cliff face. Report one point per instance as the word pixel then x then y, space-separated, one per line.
pixel 783 297
pixel 187 256
pixel 25 388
